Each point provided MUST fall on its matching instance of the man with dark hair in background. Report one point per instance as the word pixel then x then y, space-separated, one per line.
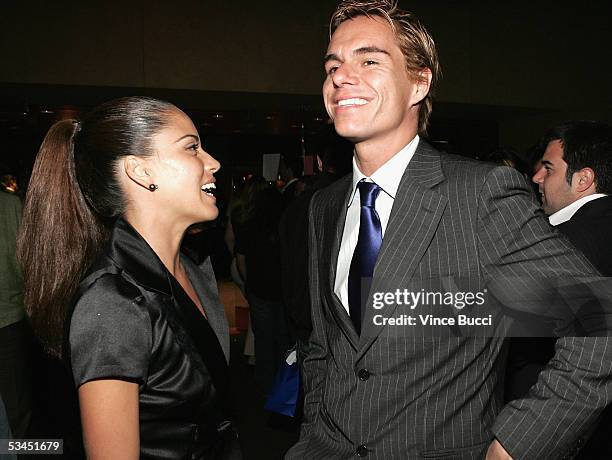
pixel 574 180
pixel 411 215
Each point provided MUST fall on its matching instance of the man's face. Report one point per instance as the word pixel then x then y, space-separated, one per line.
pixel 551 179
pixel 368 92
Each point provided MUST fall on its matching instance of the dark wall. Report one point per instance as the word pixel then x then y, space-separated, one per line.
pixel 539 54
pixel 263 46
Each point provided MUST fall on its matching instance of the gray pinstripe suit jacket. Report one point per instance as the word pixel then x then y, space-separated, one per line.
pixel 433 397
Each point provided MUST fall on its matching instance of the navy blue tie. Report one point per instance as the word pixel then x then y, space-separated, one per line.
pixel 366 253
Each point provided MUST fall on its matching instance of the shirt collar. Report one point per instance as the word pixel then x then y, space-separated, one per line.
pixel 565 214
pixel 389 175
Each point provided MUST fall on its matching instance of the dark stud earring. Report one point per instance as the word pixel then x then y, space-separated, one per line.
pixel 153 187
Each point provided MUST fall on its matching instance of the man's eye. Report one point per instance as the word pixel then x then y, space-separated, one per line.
pixel 332 70
pixel 370 62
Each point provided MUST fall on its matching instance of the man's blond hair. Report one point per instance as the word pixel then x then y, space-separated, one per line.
pixel 414 41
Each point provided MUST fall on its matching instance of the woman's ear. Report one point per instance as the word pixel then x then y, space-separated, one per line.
pixel 137 170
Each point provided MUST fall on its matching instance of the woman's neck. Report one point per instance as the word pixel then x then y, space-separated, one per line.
pixel 163 236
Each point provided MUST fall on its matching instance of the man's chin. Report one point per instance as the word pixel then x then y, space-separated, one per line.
pixel 353 135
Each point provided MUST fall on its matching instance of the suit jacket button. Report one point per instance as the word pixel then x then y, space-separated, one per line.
pixel 361 451
pixel 363 374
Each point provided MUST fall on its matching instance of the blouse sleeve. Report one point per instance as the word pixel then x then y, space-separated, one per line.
pixel 110 333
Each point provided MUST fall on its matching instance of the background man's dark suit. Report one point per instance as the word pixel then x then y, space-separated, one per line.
pixel 590 230
pixel 386 395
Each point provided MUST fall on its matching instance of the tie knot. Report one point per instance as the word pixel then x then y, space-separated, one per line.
pixel 368 191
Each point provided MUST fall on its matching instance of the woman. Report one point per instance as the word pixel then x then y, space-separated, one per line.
pixel 144 334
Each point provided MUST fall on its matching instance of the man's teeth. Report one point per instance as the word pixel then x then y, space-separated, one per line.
pixel 209 188
pixel 352 101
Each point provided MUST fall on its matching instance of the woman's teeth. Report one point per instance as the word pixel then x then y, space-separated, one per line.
pixel 209 189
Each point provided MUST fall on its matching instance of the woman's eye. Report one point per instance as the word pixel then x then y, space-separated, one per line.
pixel 194 147
pixel 332 70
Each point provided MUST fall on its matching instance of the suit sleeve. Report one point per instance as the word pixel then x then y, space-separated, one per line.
pixel 315 362
pixel 518 244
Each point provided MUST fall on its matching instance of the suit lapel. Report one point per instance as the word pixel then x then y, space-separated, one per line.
pixel 203 337
pixel 336 217
pixel 203 281
pixel 415 215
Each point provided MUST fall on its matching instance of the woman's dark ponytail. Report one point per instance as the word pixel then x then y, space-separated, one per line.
pixel 73 196
pixel 59 238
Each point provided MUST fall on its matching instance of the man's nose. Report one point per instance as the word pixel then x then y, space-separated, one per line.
pixel 345 74
pixel 538 176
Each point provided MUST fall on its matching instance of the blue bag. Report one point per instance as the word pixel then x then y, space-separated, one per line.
pixel 284 396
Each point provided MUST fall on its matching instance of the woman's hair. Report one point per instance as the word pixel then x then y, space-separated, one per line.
pixel 73 197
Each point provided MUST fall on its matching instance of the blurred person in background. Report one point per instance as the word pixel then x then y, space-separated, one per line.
pixel 507 156
pixel 139 325
pixel 258 258
pixel 15 373
pixel 333 160
pixel 240 209
pixel 289 172
pixel 5 429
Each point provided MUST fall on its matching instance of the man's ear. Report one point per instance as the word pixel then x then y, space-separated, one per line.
pixel 136 169
pixel 583 180
pixel 422 85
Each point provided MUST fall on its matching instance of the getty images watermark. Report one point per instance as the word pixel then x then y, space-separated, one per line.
pixel 416 301
pixel 505 307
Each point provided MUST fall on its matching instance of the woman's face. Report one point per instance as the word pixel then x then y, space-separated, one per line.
pixel 184 172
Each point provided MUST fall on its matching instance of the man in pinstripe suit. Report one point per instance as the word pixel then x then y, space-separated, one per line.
pixel 378 391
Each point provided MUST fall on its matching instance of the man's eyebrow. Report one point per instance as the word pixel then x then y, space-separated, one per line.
pixel 370 49
pixel 330 57
pixel 188 135
pixel 362 50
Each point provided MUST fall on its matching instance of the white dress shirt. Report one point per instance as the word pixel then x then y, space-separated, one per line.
pixel 388 178
pixel 565 214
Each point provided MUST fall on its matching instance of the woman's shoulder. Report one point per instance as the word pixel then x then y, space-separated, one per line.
pixel 110 331
pixel 110 281
pixel 107 291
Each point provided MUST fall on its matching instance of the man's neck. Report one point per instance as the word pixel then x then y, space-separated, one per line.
pixel 566 213
pixel 370 155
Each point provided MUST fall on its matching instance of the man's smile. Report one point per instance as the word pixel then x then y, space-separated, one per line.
pixel 351 102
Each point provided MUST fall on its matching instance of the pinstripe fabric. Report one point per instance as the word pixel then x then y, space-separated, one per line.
pixel 433 397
